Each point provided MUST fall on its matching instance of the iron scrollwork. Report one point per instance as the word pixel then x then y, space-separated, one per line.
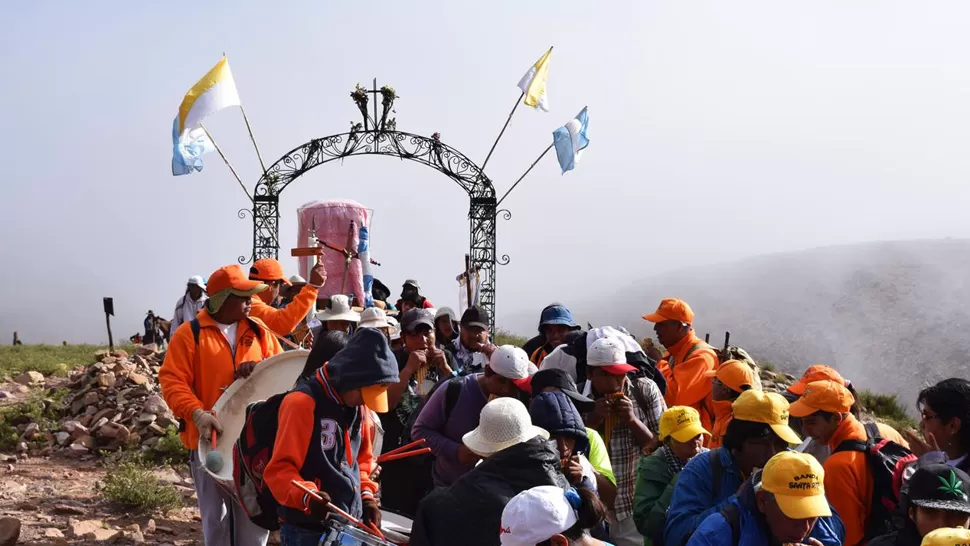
pixel 377 135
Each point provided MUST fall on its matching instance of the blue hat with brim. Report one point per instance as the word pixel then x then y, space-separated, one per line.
pixel 557 314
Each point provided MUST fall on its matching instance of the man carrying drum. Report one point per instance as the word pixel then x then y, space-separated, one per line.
pixel 205 356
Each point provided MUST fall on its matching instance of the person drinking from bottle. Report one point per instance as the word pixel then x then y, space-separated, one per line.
pixel 205 356
pixel 324 442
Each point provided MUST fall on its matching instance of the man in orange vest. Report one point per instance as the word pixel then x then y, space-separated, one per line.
pixel 283 321
pixel 688 360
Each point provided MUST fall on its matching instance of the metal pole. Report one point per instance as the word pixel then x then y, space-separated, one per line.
pixel 543 154
pixel 223 156
pixel 252 138
pixel 502 132
pixel 111 341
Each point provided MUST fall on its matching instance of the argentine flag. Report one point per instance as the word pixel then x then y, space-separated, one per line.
pixel 570 140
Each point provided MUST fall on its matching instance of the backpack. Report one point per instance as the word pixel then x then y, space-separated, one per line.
pixel 891 465
pixel 451 398
pixel 732 514
pixel 252 452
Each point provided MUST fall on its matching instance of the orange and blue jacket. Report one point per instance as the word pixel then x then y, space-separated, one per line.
pixel 687 383
pixel 193 376
pixel 848 479
pixel 324 445
pixel 284 321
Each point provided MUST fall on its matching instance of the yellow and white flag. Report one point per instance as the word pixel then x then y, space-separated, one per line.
pixel 215 91
pixel 533 84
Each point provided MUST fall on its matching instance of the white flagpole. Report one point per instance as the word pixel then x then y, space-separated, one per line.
pixel 223 156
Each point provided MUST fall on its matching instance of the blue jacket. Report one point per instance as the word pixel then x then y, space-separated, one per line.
pixel 694 495
pixel 753 530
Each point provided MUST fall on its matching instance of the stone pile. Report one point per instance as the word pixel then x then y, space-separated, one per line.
pixel 114 403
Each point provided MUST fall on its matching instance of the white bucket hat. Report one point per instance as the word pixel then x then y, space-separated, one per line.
pixel 339 309
pixel 197 281
pixel 504 422
pixel 536 515
pixel 373 317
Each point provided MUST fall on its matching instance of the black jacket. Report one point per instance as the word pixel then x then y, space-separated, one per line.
pixel 470 511
pixel 907 537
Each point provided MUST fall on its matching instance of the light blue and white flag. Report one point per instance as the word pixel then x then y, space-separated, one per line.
pixel 363 253
pixel 570 140
pixel 187 149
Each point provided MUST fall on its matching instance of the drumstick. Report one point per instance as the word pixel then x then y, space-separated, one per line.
pixel 405 447
pixel 213 440
pixel 338 511
pixel 403 455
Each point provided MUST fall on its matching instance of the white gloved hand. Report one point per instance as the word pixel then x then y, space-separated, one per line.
pixel 205 422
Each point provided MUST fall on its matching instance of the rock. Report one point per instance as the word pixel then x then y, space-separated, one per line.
pixel 120 354
pixel 22 447
pixel 31 430
pixel 79 432
pixel 30 378
pixel 114 431
pixel 62 438
pixel 133 528
pixel 85 441
pixel 22 389
pixel 99 423
pixel 136 537
pixel 150 527
pixel 107 379
pixel 91 398
pixel 146 418
pixel 167 476
pixel 4 394
pixel 166 421
pixel 9 531
pixel 69 510
pixel 52 533
pixel 11 486
pixel 155 405
pixel 91 529
pixel 145 350
pixel 137 378
pixel 163 529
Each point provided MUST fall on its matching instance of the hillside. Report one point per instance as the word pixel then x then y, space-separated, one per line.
pixel 892 316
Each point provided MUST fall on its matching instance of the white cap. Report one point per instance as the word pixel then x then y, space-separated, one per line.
pixel 373 317
pixel 559 359
pixel 606 351
pixel 296 279
pixel 609 354
pixel 535 515
pixel 197 281
pixel 503 423
pixel 339 309
pixel 512 363
pixel 395 328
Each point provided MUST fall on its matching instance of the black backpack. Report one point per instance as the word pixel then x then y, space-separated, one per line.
pixel 891 465
pixel 252 452
pixel 451 398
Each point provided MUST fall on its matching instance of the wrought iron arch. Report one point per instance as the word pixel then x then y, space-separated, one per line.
pixel 378 136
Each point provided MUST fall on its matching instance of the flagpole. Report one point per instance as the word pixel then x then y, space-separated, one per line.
pixel 252 138
pixel 502 132
pixel 543 154
pixel 223 156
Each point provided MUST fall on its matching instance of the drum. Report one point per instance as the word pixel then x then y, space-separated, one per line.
pixel 274 375
pixel 396 528
pixel 339 534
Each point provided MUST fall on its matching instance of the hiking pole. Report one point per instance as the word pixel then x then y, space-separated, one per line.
pixel 727 339
pixel 707 338
pixel 369 528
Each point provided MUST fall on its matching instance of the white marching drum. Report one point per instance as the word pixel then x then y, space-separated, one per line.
pixel 340 534
pixel 396 528
pixel 274 375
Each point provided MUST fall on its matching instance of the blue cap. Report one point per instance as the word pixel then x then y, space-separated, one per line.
pixel 557 314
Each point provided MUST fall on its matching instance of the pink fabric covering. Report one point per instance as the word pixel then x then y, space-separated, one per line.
pixel 332 221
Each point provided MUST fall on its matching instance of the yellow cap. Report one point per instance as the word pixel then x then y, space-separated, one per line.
pixel 765 407
pixel 375 397
pixel 828 396
pixel 957 536
pixel 797 482
pixel 681 422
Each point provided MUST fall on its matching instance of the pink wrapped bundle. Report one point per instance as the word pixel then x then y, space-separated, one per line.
pixel 332 220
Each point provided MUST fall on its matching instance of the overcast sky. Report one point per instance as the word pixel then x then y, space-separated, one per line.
pixel 718 130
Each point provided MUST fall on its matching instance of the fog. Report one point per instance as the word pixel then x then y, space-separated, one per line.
pixel 720 131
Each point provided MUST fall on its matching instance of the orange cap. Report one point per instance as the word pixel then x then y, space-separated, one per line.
pixel 818 372
pixel 735 375
pixel 672 309
pixel 829 396
pixel 267 269
pixel 232 277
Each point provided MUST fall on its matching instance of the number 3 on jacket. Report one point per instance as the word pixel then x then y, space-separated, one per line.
pixel 328 434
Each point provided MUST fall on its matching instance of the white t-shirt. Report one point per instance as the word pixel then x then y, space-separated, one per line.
pixel 229 330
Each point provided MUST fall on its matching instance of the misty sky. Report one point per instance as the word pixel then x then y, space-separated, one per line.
pixel 719 130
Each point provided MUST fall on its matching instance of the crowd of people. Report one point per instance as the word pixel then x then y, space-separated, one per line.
pixel 578 438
